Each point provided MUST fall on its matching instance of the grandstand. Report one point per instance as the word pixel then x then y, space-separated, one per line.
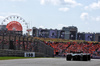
pixel 24 44
pixel 65 33
pixel 63 46
pixel 51 47
pixel 70 33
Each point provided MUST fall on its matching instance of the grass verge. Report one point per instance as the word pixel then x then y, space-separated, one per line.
pixel 8 58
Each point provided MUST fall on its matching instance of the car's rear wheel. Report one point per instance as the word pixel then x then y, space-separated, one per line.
pixel 68 57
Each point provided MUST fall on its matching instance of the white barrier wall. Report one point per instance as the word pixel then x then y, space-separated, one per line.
pixel 29 54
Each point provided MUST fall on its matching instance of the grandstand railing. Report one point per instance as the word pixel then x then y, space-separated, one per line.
pixel 25 43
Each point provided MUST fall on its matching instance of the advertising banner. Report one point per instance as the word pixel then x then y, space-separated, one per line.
pixel 29 54
pixel 89 37
pixel 43 33
pixel 80 36
pixel 62 34
pixel 53 34
pixel 73 35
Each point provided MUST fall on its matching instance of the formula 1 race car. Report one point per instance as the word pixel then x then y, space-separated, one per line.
pixel 78 56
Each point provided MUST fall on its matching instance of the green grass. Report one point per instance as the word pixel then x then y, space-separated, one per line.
pixel 8 58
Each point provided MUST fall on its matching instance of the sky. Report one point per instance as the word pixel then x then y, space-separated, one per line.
pixel 55 14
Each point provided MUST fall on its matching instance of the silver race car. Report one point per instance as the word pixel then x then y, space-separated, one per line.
pixel 78 56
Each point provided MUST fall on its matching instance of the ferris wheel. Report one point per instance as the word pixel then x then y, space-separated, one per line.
pixel 16 23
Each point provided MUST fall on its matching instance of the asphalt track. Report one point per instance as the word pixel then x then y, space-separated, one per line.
pixel 48 62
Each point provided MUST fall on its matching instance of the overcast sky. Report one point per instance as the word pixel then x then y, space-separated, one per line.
pixel 84 14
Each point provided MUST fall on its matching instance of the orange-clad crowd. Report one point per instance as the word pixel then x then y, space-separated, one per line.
pixel 61 48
